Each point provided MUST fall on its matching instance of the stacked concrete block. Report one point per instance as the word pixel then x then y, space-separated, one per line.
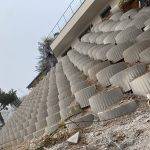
pixel 105 100
pixel 116 16
pixel 82 96
pixel 96 68
pixel 92 53
pixel 122 25
pixel 143 36
pixel 66 98
pixel 131 55
pixel 123 78
pixel 139 20
pixel 118 111
pixel 141 85
pixel 53 119
pixel 111 38
pixel 128 34
pixel 42 110
pixel 129 14
pixel 145 56
pixel 108 26
pixel 115 54
pixel 104 75
pixel 80 122
pixel 93 37
pixel 101 53
pixel 100 39
pixel 71 86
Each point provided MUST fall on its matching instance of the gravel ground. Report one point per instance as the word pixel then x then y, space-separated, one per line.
pixel 131 132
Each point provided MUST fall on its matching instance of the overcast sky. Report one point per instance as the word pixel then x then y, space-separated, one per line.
pixel 22 24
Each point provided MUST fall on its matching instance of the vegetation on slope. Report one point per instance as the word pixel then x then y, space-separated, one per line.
pixel 47 58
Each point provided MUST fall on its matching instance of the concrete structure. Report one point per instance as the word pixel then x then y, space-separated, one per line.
pixel 89 80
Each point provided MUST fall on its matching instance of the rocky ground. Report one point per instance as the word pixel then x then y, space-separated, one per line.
pixel 128 133
pixel 131 132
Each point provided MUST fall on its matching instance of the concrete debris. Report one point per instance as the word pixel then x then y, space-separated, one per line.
pixel 148 96
pixel 74 139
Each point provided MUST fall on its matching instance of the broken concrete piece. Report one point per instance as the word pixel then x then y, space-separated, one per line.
pixel 74 139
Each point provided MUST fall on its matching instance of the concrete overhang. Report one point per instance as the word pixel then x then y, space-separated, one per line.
pixel 77 24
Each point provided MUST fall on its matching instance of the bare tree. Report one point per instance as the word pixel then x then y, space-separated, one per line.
pixel 47 58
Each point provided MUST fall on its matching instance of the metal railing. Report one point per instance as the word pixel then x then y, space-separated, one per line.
pixel 65 18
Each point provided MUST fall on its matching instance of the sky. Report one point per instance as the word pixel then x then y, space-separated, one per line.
pixel 23 23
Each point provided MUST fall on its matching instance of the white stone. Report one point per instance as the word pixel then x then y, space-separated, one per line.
pixel 74 139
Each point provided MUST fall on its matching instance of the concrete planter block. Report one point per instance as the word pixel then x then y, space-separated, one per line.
pixel 129 14
pixel 143 36
pixel 123 78
pixel 131 55
pixel 73 76
pixel 107 27
pixel 118 111
pixel 96 68
pixel 111 38
pixel 100 39
pixel 105 100
pixel 80 122
pixel 66 102
pixel 115 54
pixel 65 94
pixel 90 51
pixel 145 56
pixel 89 65
pixel 52 120
pixel 53 109
pixel 81 65
pixel 95 28
pixel 101 53
pixel 92 38
pixel 102 24
pixel 138 21
pixel 40 124
pixel 40 117
pixel 82 96
pixel 52 101
pixel 23 132
pixel 141 13
pixel 77 86
pixel 122 25
pixel 62 89
pixel 147 22
pixel 31 129
pixel 19 127
pixel 116 16
pixel 104 75
pixel 128 34
pixel 85 38
pixel 28 137
pixel 141 85
pixel 70 111
pixel 51 129
pixel 25 124
pixel 39 133
pixel 32 120
pixel 76 79
pixel 86 49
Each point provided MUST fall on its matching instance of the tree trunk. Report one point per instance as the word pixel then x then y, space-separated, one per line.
pixel 2 119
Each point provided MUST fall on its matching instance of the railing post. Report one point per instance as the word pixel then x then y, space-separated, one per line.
pixel 58 27
pixel 64 16
pixel 71 9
